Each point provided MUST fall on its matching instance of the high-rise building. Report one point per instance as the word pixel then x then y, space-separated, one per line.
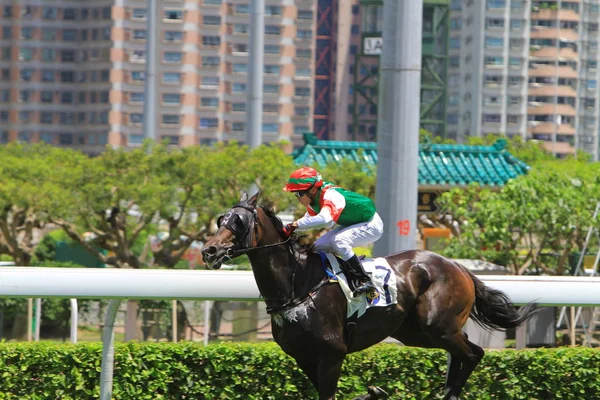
pixel 201 70
pixel 55 72
pixel 72 72
pixel 526 68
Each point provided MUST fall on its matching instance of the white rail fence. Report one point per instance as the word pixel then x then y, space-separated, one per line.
pixel 120 284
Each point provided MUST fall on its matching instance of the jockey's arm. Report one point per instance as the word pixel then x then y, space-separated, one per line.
pixel 322 220
pixel 331 208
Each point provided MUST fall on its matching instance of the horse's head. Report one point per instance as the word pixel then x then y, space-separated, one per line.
pixel 237 229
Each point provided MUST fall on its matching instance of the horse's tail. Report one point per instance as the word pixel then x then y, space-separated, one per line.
pixel 493 309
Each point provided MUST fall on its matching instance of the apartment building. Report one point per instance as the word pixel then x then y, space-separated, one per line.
pixel 202 70
pixel 72 72
pixel 55 72
pixel 526 68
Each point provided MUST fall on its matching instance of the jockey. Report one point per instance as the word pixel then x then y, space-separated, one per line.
pixel 357 221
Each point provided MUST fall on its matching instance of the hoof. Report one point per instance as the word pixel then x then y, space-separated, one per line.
pixel 377 393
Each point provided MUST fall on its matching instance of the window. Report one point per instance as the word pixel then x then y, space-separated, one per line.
pixel 271 69
pixel 240 68
pixel 26 74
pixel 209 122
pixel 211 61
pixel 173 36
pixel 270 128
pixel 67 55
pixel 267 88
pixel 515 62
pixel 270 108
pixel 494 23
pixel 304 34
pixel 211 20
pixel 48 34
pixel 26 32
pixel 242 48
pixel 139 34
pixel 240 28
pixel 136 97
pixel 46 96
pixel 303 72
pixel 516 24
pixel 272 30
pixel 172 56
pixel 65 138
pixel 210 82
pixel 69 35
pixel 302 92
pixel 238 88
pixel 69 14
pixel 135 139
pixel 274 10
pixel 305 14
pixel 492 118
pixel 493 42
pixel 171 77
pixel 171 98
pixel 302 110
pixel 170 119
pixel 47 137
pixel 49 12
pixel 136 118
pixel 494 61
pixel 139 13
pixel 238 127
pixel 299 130
pixel 496 4
pixel 173 15
pixel 238 107
pixel 242 8
pixel 211 40
pixel 138 76
pixel 209 102
pixel 25 54
pixel 303 53
pixel 67 76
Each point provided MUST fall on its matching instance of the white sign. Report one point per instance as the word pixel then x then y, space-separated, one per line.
pixel 372 46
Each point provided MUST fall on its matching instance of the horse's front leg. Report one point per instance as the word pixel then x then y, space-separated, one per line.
pixel 328 371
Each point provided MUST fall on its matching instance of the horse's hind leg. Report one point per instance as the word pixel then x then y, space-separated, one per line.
pixel 464 357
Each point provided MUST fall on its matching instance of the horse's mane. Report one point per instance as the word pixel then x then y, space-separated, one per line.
pixel 300 247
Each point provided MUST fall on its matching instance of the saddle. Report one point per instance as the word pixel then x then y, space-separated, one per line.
pixel 380 273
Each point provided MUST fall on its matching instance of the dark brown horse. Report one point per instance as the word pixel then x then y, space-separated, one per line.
pixel 436 296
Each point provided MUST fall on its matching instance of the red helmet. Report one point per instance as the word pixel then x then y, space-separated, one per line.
pixel 303 179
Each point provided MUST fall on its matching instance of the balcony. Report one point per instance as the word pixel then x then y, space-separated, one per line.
pixel 552 53
pixel 551 71
pixel 565 35
pixel 563 15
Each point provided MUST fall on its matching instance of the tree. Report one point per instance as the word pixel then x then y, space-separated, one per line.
pixel 25 190
pixel 122 195
pixel 535 221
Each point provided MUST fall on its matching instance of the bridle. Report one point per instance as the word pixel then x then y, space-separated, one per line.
pixel 240 226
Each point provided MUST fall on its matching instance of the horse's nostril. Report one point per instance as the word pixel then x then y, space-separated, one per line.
pixel 210 251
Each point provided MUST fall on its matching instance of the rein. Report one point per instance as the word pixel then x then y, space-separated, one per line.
pixel 295 301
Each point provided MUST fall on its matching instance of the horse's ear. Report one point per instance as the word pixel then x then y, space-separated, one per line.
pixel 244 197
pixel 254 199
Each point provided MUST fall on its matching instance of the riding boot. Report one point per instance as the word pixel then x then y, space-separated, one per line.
pixel 365 282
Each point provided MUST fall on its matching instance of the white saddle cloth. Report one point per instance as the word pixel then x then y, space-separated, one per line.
pixel 381 275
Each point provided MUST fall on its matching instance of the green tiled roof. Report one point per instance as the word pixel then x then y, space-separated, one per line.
pixel 439 164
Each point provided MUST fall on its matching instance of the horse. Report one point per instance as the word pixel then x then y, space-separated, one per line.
pixel 435 297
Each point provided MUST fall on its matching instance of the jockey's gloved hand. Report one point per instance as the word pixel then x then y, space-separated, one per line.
pixel 289 229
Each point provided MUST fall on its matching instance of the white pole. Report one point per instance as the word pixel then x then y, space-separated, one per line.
pixel 74 320
pixel 206 321
pixel 38 319
pixel 174 320
pixel 398 125
pixel 255 74
pixel 29 318
pixel 108 350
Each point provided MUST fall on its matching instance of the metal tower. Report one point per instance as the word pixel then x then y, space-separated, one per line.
pixel 433 75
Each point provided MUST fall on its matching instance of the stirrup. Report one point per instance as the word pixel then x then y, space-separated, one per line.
pixel 364 287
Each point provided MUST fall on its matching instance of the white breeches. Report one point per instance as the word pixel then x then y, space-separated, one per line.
pixel 341 240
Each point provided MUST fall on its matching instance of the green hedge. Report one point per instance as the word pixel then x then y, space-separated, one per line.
pixel 249 371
